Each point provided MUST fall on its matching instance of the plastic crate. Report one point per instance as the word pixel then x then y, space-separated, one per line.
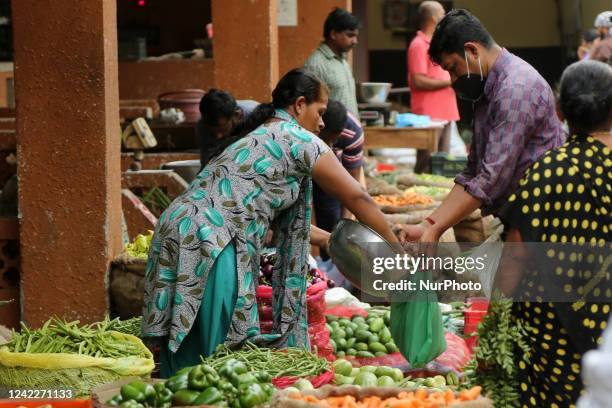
pixel 447 165
pixel 476 311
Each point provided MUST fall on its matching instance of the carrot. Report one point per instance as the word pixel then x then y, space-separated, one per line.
pixel 413 399
pixel 449 397
pixel 408 198
pixel 403 404
pixel 471 394
pixel 335 401
pixel 371 402
pixel 420 394
pixel 350 402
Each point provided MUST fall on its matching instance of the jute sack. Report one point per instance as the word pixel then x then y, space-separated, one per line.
pixel 392 209
pixel 471 228
pixel 127 286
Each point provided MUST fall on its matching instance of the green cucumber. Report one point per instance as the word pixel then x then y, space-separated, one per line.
pixel 361 347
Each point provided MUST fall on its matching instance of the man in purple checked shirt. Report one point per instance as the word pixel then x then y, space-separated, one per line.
pixel 515 120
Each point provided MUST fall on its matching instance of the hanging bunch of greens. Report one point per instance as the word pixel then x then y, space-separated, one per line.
pixel 501 345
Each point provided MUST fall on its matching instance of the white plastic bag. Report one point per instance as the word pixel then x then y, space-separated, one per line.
pixel 342 297
pixel 596 373
pixel 457 145
pixel 491 249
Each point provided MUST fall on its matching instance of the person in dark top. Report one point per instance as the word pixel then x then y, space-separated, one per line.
pixel 343 133
pixel 221 115
pixel 564 198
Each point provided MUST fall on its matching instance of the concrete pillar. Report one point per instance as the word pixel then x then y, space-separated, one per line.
pixel 246 47
pixel 296 43
pixel 69 157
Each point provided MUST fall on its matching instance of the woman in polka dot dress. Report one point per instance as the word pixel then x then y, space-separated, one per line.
pixel 565 198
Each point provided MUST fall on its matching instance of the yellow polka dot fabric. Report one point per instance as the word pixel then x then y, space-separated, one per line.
pixel 564 198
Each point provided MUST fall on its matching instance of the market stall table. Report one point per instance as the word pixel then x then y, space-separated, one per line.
pixel 425 138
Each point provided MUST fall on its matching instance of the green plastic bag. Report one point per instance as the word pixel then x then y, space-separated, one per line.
pixel 417 328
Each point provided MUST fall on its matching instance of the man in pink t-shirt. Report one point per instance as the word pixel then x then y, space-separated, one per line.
pixel 430 85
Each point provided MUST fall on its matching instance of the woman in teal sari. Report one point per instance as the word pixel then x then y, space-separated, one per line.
pixel 204 259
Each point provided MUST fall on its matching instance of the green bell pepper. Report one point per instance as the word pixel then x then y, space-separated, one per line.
pixel 131 404
pixel 202 377
pixel 233 367
pixel 115 401
pixel 268 388
pixel 184 397
pixel 179 381
pixel 146 389
pixel 241 379
pixel 129 392
pixel 262 376
pixel 209 396
pixel 252 395
pixel 163 396
pixel 226 387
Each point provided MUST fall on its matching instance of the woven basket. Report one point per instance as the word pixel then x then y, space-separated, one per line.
pixel 126 287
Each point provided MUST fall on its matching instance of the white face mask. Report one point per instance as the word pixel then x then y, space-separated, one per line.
pixel 468 88
pixel 468 65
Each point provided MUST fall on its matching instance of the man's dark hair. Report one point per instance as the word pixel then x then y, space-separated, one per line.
pixel 217 104
pixel 586 95
pixel 294 84
pixel 340 20
pixel 590 35
pixel 334 117
pixel 454 30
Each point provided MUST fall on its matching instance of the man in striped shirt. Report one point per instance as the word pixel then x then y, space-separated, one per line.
pixel 343 133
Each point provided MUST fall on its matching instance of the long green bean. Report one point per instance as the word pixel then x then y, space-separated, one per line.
pixel 278 363
pixel 57 336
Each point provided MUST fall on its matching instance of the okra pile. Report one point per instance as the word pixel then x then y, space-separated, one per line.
pixel 232 385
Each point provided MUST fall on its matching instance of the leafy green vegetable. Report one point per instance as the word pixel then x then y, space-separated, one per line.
pixel 501 345
pixel 140 247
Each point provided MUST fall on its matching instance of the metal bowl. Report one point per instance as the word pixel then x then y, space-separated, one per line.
pixel 373 92
pixel 187 169
pixel 353 246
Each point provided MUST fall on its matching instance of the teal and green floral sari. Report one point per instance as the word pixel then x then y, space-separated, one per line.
pixel 262 181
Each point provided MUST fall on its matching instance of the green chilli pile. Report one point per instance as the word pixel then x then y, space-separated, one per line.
pixel 290 362
pixel 58 336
